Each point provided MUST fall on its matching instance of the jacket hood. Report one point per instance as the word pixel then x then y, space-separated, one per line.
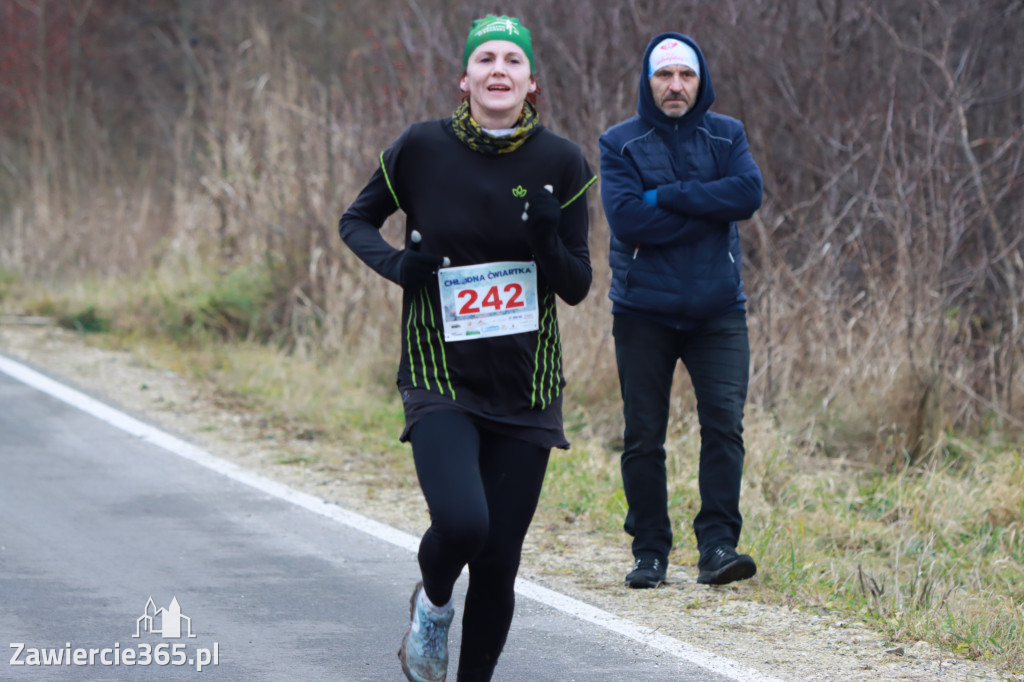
pixel 649 111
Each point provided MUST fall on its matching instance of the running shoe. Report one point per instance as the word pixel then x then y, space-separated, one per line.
pixel 424 650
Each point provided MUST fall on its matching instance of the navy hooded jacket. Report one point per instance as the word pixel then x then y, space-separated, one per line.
pixel 678 262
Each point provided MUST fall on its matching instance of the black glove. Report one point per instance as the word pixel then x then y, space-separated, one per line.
pixel 415 269
pixel 541 215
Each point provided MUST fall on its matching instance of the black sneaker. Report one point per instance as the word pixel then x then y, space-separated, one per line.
pixel 722 565
pixel 648 571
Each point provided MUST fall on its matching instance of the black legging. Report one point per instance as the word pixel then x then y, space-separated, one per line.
pixel 482 490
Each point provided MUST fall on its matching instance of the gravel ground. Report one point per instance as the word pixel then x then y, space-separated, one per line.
pixel 777 641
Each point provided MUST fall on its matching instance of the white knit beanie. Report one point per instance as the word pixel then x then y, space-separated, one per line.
pixel 670 52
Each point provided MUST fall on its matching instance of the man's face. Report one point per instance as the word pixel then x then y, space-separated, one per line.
pixel 675 89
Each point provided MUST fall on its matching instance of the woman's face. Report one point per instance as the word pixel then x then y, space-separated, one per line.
pixel 498 79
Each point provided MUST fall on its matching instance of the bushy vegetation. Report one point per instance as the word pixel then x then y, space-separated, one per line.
pixel 194 158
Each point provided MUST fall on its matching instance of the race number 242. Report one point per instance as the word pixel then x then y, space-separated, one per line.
pixel 475 300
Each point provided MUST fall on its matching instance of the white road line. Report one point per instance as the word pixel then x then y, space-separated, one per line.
pixel 573 607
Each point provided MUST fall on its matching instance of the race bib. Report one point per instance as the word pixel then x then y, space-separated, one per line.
pixel 492 299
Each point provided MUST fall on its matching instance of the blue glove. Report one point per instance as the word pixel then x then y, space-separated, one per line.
pixel 651 197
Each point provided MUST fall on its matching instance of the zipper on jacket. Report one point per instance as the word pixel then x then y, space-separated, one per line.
pixel 637 250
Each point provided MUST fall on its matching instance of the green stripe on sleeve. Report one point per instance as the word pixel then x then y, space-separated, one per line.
pixel 574 198
pixel 387 179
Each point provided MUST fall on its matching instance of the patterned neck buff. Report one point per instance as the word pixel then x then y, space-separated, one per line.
pixel 471 135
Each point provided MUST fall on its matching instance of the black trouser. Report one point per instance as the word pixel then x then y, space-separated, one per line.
pixel 482 490
pixel 717 356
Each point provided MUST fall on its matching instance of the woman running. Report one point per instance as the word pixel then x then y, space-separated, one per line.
pixel 496 227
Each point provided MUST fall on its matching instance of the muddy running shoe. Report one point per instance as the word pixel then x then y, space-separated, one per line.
pixel 424 650
pixel 648 571
pixel 722 565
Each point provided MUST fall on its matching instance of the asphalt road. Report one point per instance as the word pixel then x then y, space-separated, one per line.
pixel 97 520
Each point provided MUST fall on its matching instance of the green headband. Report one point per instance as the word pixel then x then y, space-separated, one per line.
pixel 497 28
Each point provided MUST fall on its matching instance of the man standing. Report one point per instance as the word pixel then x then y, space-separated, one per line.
pixel 675 178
